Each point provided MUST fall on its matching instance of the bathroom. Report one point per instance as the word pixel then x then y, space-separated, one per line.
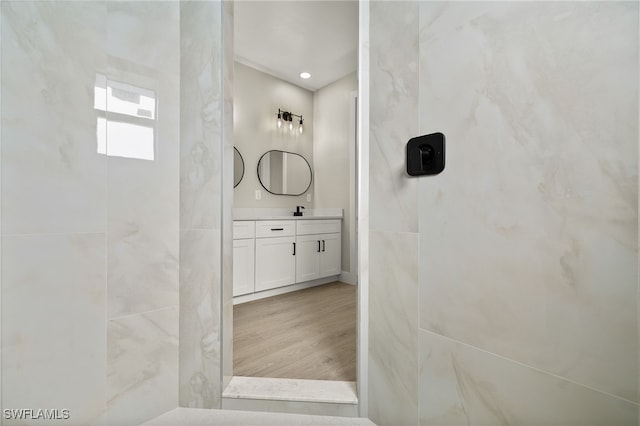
pixel 502 291
pixel 294 286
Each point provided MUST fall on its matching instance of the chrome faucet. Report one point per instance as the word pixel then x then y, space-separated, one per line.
pixel 298 212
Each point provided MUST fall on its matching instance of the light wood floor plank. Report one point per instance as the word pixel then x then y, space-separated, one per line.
pixel 306 334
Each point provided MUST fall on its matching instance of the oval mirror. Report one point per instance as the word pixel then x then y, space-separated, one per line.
pixel 238 167
pixel 284 173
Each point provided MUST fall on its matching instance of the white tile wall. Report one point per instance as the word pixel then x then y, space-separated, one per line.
pixel 393 114
pixel 90 241
pixel 527 243
pixel 201 115
pixel 53 177
pixel 202 150
pixel 393 323
pixel 53 337
pixel 530 236
pixel 142 361
pixel 199 319
pixel 143 196
pixel 464 385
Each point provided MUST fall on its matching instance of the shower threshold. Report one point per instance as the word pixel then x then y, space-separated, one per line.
pixel 325 397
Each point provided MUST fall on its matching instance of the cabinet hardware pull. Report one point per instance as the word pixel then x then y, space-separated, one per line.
pixel 318 246
pixel 294 249
pixel 323 246
pixel 277 229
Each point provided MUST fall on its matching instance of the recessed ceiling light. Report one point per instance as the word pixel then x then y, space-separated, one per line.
pixel 305 75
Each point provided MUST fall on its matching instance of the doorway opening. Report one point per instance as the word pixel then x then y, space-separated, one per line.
pixel 267 81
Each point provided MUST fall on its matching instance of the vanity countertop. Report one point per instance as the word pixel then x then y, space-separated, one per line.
pixel 290 217
pixel 285 214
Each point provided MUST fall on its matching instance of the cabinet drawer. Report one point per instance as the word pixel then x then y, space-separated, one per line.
pixel 244 229
pixel 275 228
pixel 308 227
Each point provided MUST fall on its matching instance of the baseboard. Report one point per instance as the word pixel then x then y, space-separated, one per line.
pixel 348 278
pixel 282 290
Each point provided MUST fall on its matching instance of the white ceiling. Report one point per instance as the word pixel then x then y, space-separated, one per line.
pixel 285 38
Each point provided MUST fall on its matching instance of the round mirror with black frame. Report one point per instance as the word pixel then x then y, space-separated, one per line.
pixel 238 167
pixel 284 173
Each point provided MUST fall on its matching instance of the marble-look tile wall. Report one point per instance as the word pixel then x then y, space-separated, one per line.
pixel 142 218
pixel 53 337
pixel 90 224
pixel 53 209
pixel 142 358
pixel 393 114
pixel 393 323
pixel 464 385
pixel 550 236
pixel 54 180
pixel 1 405
pixel 143 51
pixel 227 192
pixel 205 104
pixel 527 244
pixel 393 239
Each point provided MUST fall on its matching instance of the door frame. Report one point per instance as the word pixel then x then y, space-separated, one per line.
pixel 362 222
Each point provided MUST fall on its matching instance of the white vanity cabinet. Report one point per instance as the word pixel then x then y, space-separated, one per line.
pixel 275 257
pixel 319 249
pixel 331 255
pixel 243 257
pixel 268 254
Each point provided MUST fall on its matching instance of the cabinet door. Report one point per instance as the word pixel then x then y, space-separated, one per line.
pixel 275 262
pixel 307 257
pixel 330 255
pixel 243 266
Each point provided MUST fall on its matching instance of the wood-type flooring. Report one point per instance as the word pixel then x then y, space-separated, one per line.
pixel 306 334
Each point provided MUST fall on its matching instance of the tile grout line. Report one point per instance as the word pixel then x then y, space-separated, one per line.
pixel 224 131
pixel 530 367
pixel 53 234
pixel 178 232
pixel 164 308
pixel 106 399
pixel 638 260
pixel 1 231
pixel 420 203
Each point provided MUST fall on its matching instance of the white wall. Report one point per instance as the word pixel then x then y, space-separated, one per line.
pixel 505 290
pixel 257 97
pixel 331 152
pixel 324 143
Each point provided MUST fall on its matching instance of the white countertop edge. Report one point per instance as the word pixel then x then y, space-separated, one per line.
pixel 287 218
pixel 284 214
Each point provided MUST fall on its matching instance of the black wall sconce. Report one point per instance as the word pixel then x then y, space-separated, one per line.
pixel 287 117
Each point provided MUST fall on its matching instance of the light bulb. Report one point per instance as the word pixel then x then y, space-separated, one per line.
pixel 300 127
pixel 279 122
pixel 291 126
